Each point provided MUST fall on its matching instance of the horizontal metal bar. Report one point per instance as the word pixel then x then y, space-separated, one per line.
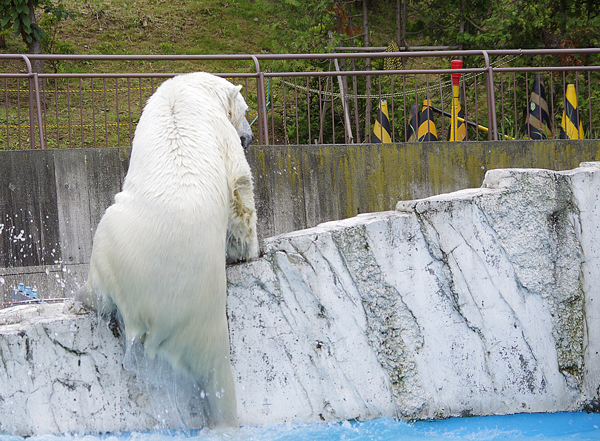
pixel 546 69
pixel 403 48
pixel 133 75
pixel 348 73
pixel 283 110
pixel 410 54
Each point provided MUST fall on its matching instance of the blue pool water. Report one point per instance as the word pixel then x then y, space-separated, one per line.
pixel 532 427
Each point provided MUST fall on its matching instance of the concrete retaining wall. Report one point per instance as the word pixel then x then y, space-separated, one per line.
pixel 52 200
pixel 477 302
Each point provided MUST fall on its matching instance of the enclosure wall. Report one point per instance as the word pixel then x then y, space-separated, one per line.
pixel 52 200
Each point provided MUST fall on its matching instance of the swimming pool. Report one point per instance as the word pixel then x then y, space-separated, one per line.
pixel 530 427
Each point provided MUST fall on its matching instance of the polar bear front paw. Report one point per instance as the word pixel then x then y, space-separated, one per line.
pixel 72 306
pixel 239 250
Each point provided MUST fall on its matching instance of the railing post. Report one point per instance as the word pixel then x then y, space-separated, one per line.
pixel 33 83
pixel 263 127
pixel 38 105
pixel 30 94
pixel 491 100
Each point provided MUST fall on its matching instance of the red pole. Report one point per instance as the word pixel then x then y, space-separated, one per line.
pixel 455 64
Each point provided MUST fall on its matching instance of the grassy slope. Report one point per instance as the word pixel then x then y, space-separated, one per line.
pixel 181 27
pixel 191 27
pixel 127 27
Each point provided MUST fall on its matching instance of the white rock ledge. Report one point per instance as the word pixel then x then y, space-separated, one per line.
pixel 483 301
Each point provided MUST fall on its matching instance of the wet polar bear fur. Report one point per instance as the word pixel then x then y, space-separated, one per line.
pixel 159 252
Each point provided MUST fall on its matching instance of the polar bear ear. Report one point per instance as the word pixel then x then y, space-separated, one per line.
pixel 233 95
pixel 234 91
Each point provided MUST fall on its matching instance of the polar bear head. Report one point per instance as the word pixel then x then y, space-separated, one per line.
pixel 202 85
pixel 237 116
pixel 229 95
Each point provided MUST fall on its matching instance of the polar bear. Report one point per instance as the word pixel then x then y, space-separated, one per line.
pixel 160 250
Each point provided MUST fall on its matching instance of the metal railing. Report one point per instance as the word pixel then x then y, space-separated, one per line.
pixel 335 103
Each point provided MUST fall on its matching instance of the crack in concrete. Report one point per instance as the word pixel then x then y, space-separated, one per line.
pixel 59 344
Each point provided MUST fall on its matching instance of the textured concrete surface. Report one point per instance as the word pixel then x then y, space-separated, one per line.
pixel 482 301
pixel 52 200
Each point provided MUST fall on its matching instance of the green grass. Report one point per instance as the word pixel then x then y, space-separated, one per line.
pixel 186 27
pixel 150 27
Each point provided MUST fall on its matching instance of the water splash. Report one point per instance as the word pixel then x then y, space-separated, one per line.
pixel 177 400
pixel 524 427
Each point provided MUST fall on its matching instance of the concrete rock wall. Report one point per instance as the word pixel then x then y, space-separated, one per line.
pixel 482 301
pixel 50 204
pixel 52 200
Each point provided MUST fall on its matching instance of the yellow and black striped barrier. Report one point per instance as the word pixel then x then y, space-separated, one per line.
pixel 413 124
pixel 427 130
pixel 571 126
pixel 538 117
pixel 381 128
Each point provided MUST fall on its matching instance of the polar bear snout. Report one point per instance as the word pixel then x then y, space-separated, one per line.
pixel 245 133
pixel 246 141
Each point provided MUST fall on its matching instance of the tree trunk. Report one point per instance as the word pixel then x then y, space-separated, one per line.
pixel 35 47
pixel 461 29
pixel 401 26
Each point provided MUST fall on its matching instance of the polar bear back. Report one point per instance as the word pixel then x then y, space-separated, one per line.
pixel 176 143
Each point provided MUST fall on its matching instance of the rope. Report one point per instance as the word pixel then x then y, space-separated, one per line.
pixel 443 85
